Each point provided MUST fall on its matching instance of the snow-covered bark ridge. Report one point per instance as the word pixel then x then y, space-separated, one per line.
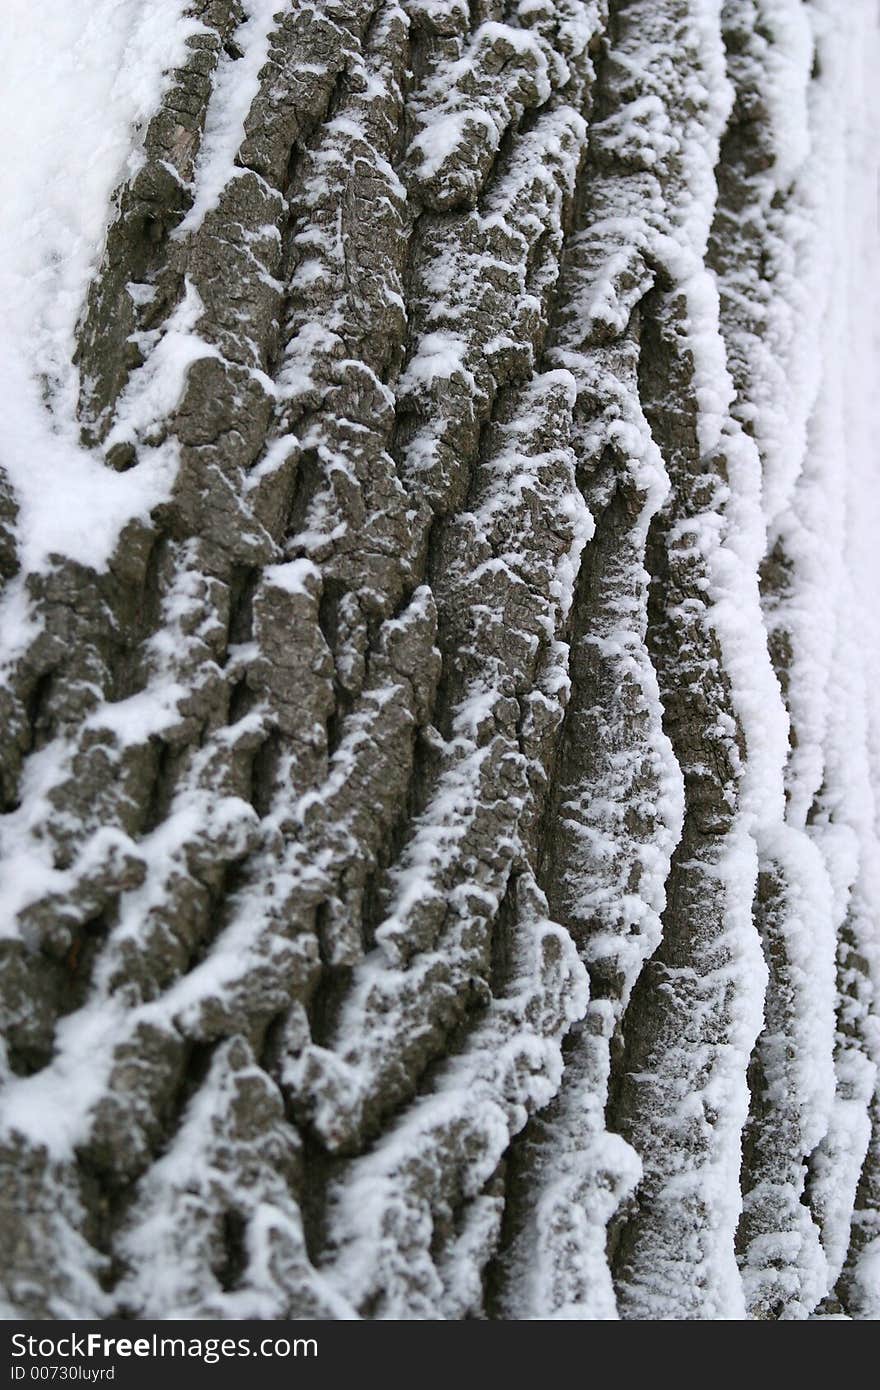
pixel 439 859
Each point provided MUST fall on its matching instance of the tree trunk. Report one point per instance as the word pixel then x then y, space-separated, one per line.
pixel 439 847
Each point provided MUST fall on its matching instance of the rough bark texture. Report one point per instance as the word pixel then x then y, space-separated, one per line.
pixel 437 888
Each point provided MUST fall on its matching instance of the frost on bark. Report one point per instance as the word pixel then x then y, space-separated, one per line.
pixel 439 854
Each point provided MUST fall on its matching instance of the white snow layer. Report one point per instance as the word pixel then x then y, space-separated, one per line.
pixel 79 83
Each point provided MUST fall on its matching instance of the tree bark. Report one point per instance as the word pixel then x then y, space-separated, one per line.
pixel 442 858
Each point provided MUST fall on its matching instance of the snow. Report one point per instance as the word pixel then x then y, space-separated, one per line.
pixel 77 89
pixel 235 86
pixel 796 321
pixel 154 389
